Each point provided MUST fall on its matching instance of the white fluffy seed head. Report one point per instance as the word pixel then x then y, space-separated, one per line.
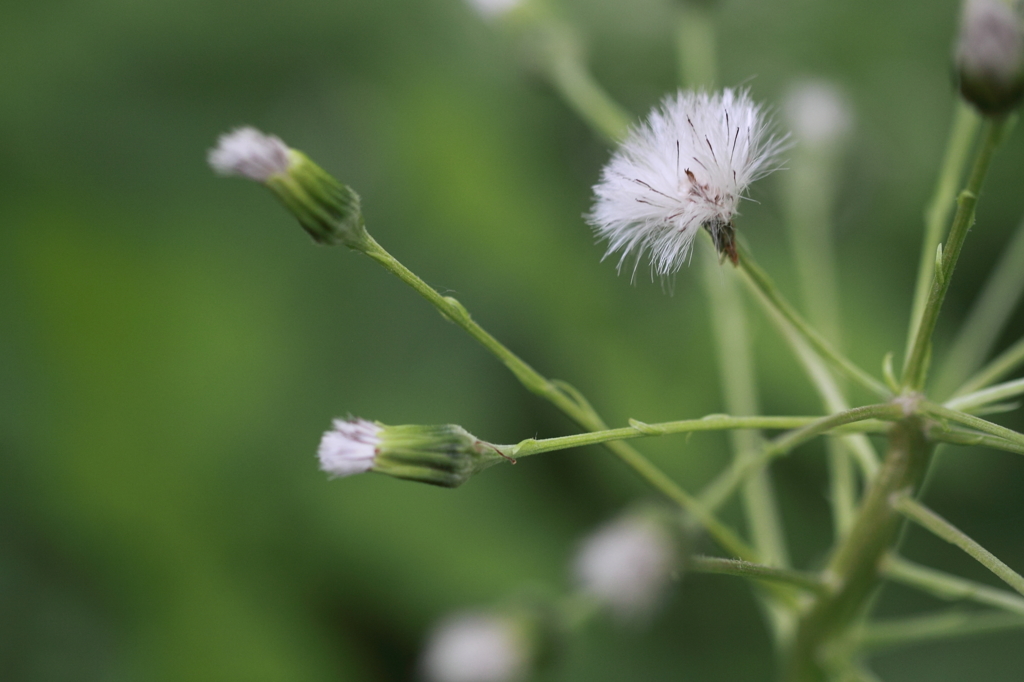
pixel 627 565
pixel 475 647
pixel 251 154
pixel 688 165
pixel 349 448
pixel 494 8
pixel 818 112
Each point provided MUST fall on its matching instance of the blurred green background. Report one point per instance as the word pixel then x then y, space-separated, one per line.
pixel 172 345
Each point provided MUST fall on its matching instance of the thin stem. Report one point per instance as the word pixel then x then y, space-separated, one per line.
pixel 957 437
pixel 949 587
pixel 810 188
pixel 714 422
pixel 566 69
pixel 1005 363
pixel 993 307
pixel 579 411
pixel 719 490
pixel 915 369
pixel 739 391
pixel 824 383
pixel 993 394
pixel 962 134
pixel 696 45
pixel 759 279
pixel 897 632
pixel 925 517
pixel 972 421
pixel 810 582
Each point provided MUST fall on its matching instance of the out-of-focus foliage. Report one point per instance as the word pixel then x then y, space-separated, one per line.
pixel 172 344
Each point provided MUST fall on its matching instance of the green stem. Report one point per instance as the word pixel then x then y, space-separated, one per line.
pixel 566 69
pixel 903 631
pixel 957 437
pixel 804 580
pixel 715 422
pixel 915 369
pixel 696 45
pixel 854 567
pixel 949 587
pixel 993 394
pixel 719 490
pixel 925 517
pixel 1000 367
pixel 759 280
pixel 824 383
pixel 739 391
pixel 810 188
pixel 970 420
pixel 980 331
pixel 579 411
pixel 962 134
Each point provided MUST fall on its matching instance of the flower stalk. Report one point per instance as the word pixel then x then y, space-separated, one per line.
pixel 916 366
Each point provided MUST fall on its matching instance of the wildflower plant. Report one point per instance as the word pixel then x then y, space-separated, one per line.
pixel 676 174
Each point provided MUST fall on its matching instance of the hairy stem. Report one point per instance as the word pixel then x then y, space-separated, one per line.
pixel 949 587
pixel 915 369
pixel 925 517
pixel 719 490
pixel 1005 363
pixel 739 391
pixel 579 411
pixel 806 581
pixel 897 632
pixel 854 569
pixel 715 422
pixel 961 138
pixel 760 280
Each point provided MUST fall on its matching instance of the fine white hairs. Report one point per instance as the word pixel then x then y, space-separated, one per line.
pixel 249 153
pixel 475 647
pixel 349 448
pixel 687 166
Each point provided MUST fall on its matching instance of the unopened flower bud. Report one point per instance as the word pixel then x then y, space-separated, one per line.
pixel 328 210
pixel 491 9
pixel 445 455
pixel 627 564
pixel 477 647
pixel 818 113
pixel 990 55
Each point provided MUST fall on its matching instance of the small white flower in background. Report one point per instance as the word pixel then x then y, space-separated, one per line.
pixel 818 113
pixel 686 167
pixel 349 448
pixel 627 565
pixel 476 647
pixel 990 55
pixel 494 8
pixel 250 154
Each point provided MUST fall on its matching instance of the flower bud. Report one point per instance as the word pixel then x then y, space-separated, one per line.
pixel 628 563
pixel 477 647
pixel 328 210
pixel 990 55
pixel 818 113
pixel 445 455
pixel 492 9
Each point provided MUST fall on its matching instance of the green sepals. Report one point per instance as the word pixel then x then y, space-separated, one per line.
pixel 445 455
pixel 327 209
